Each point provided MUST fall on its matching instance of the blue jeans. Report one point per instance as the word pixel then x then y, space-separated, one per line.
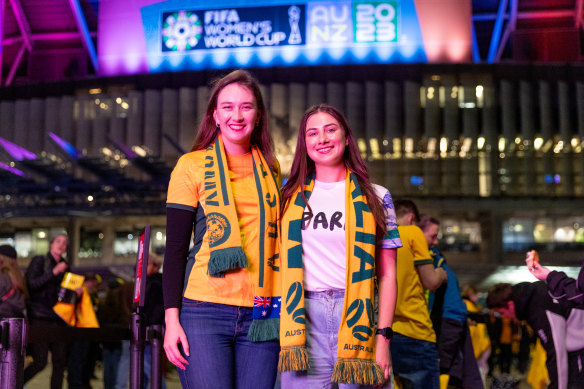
pixel 123 379
pixel 415 362
pixel 221 355
pixel 324 311
pixel 111 359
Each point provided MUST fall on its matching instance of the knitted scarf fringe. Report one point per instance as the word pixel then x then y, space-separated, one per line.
pixel 293 358
pixel 226 259
pixel 357 371
pixel 264 330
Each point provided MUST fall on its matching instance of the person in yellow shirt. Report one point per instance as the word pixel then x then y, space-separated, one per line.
pixel 221 310
pixel 413 348
pixel 478 329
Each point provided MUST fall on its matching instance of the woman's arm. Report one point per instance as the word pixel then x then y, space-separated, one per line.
pixel 385 265
pixel 179 226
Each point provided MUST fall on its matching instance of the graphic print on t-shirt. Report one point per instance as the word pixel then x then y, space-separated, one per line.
pixel 322 220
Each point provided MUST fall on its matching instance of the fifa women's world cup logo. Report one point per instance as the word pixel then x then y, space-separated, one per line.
pixel 181 31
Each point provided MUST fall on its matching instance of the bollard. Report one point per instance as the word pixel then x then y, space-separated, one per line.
pixel 13 336
pixel 137 352
pixel 155 336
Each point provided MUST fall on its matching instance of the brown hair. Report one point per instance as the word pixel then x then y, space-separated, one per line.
pixel 405 206
pixel 303 166
pixel 499 295
pixel 426 221
pixel 260 136
pixel 10 266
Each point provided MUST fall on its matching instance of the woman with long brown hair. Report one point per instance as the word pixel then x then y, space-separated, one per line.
pixel 339 235
pixel 13 292
pixel 221 307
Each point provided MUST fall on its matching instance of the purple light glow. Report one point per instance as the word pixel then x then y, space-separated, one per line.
pixel 11 169
pixel 121 45
pixel 15 151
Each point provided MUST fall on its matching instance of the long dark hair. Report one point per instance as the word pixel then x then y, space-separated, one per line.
pixel 303 166
pixel 260 136
pixel 10 266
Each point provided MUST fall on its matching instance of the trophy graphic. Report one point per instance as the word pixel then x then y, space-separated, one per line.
pixel 294 17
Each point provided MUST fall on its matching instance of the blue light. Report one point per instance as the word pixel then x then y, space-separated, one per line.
pixel 416 180
pixel 548 179
pixel 243 56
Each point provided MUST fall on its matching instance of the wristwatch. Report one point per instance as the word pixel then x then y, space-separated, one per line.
pixel 387 332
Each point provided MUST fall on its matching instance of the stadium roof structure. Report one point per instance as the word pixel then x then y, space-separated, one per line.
pixel 48 185
pixel 32 31
pixel 52 40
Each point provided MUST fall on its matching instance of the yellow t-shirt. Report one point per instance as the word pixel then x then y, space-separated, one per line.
pixel 412 317
pixel 186 191
pixel 478 332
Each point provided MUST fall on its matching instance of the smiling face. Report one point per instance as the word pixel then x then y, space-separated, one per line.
pixel 236 114
pixel 325 145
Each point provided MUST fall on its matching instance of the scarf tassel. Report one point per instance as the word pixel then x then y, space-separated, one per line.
pixel 264 330
pixel 357 371
pixel 293 358
pixel 226 259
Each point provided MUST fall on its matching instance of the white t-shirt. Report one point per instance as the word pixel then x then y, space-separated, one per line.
pixel 323 235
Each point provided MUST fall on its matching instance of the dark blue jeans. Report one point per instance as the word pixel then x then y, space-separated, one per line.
pixel 415 362
pixel 221 355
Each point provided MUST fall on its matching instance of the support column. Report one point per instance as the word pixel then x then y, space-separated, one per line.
pixel 73 234
pixel 566 170
pixel 431 133
pixel 170 121
pixel 134 135
pixel 152 119
pixel 413 130
pixel 393 132
pixel 187 120
pixel 528 163
pixel 107 243
pixel 7 110
pixel 547 126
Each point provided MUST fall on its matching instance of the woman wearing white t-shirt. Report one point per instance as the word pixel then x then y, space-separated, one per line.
pixel 338 253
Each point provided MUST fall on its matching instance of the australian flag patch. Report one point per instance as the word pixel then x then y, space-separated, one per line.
pixel 267 307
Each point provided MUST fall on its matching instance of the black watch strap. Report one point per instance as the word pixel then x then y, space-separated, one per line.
pixel 387 332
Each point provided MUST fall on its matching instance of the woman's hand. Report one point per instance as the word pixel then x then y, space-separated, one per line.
pixel 174 334
pixel 532 262
pixel 382 356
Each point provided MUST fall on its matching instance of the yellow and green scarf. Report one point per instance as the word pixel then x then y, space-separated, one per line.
pixel 356 349
pixel 225 248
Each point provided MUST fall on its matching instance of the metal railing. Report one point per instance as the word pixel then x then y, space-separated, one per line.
pixel 16 333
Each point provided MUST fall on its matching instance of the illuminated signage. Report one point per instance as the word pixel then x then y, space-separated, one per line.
pixel 232 28
pixel 375 21
pixel 190 35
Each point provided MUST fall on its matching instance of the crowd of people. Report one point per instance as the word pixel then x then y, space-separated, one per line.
pixel 323 282
pixel 35 295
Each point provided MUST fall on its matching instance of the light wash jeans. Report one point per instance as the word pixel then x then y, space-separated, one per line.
pixel 324 311
pixel 221 355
